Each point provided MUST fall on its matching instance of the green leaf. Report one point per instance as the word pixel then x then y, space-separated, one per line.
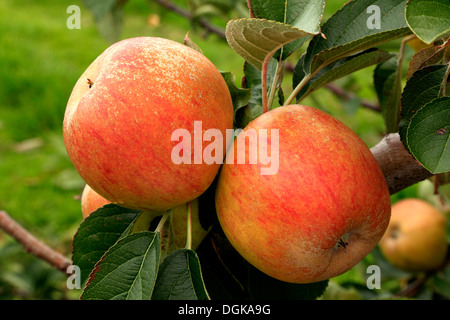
pixel 191 44
pixel 253 83
pixel 388 87
pixel 441 282
pixel 428 19
pixel 97 233
pixel 428 135
pixel 420 89
pixel 127 271
pixel 263 287
pixel 239 96
pixel 337 69
pixel 108 15
pixel 347 31
pixel 180 278
pixel 301 14
pixel 256 39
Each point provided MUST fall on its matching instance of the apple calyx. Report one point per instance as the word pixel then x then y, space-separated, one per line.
pixel 342 243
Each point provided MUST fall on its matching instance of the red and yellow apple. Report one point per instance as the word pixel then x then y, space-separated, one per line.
pixel 120 117
pixel 324 209
pixel 91 201
pixel 415 239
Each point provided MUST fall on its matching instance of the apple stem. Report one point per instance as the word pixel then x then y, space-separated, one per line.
pixel 264 84
pixel 163 220
pixel 189 227
pixel 276 79
pixel 299 87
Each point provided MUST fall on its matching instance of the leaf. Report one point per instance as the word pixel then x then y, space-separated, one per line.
pixel 426 57
pixel 420 89
pixel 256 39
pixel 127 271
pixel 441 282
pixel 191 44
pixel 254 85
pixel 108 15
pixel 428 135
pixel 428 19
pixel 263 287
pixel 97 233
pixel 301 14
pixel 337 69
pixel 388 87
pixel 180 278
pixel 239 96
pixel 347 31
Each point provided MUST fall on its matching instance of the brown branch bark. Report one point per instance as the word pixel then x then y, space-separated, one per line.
pixel 250 9
pixel 210 28
pixel 399 167
pixel 32 244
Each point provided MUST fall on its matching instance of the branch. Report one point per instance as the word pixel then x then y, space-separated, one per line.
pixel 250 9
pixel 342 94
pixel 185 13
pixel 399 167
pixel 33 245
pixel 413 289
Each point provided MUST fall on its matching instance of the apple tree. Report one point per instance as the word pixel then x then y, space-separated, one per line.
pixel 122 254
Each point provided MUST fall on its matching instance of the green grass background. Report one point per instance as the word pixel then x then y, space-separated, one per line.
pixel 40 61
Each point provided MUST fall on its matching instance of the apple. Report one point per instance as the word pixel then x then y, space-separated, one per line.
pixel 91 201
pixel 320 213
pixel 416 44
pixel 121 114
pixel 179 221
pixel 415 239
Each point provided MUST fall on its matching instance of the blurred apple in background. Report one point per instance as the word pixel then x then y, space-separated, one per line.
pixel 416 236
pixel 416 44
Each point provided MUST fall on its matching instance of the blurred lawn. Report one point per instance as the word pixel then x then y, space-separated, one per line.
pixel 40 61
